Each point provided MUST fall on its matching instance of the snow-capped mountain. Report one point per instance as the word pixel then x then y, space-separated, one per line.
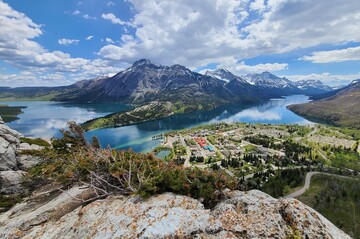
pixel 312 85
pixel 225 75
pixel 268 80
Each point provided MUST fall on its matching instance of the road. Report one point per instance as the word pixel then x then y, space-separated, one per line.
pixel 188 152
pixel 307 183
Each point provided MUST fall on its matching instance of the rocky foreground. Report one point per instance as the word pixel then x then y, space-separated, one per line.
pixel 58 212
pixel 251 214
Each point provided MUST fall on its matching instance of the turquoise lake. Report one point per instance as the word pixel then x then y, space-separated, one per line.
pixel 45 119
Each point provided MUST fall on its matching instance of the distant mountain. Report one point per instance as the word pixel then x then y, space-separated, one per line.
pixel 266 79
pixel 145 82
pixel 340 107
pixel 312 86
pixel 225 75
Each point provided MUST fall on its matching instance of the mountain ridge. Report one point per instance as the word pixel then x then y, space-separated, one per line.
pixel 339 107
pixel 145 81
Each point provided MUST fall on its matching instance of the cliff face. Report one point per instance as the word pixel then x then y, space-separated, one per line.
pixel 251 214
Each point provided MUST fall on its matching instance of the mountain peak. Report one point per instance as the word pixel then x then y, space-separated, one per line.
pixel 142 62
pixel 355 81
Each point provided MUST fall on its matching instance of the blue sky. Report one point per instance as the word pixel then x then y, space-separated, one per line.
pixel 59 42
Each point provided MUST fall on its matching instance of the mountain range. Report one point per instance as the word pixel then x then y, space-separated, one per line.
pixel 145 82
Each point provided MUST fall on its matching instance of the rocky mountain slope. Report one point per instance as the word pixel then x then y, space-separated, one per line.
pixel 340 107
pixel 313 86
pixel 145 81
pixel 251 214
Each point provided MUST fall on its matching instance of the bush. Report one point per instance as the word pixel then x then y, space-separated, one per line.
pixel 109 171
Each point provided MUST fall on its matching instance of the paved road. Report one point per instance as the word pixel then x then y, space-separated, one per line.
pixel 308 180
pixel 306 186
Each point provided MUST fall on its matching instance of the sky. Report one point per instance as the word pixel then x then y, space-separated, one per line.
pixel 53 42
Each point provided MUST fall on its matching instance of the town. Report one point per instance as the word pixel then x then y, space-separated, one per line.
pixel 255 152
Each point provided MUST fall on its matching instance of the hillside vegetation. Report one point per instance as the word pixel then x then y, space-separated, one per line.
pixel 341 109
pixel 338 199
pixel 10 113
pixel 72 160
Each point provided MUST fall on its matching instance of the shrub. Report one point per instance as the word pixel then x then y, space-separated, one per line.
pixel 109 171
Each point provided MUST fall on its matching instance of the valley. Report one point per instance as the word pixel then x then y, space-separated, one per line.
pixel 247 149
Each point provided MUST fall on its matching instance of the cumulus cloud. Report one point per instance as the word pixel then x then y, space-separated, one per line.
pixel 40 66
pixel 348 54
pixel 109 40
pixel 196 33
pixel 66 42
pixel 242 68
pixel 258 5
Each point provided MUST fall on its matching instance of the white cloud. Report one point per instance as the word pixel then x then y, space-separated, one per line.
pixel 76 12
pixel 109 40
pixel 89 38
pixel 111 17
pixel 40 66
pixel 242 68
pixel 110 3
pixel 348 54
pixel 66 42
pixel 196 33
pixel 326 78
pixel 88 17
pixel 258 5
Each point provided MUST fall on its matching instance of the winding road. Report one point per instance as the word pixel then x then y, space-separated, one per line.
pixel 307 183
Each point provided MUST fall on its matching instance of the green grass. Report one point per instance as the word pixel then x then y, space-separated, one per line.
pixel 250 148
pixel 338 199
pixel 37 141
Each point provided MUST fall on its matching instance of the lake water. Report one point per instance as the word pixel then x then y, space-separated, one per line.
pixel 45 119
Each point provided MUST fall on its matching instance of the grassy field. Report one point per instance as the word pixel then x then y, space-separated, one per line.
pixel 9 113
pixel 338 199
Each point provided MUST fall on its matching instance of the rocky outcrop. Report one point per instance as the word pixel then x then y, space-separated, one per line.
pixel 9 143
pixel 251 214
pixel 11 182
pixel 11 161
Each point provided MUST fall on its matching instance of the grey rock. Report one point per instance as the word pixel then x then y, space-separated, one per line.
pixel 9 143
pixel 11 182
pixel 250 214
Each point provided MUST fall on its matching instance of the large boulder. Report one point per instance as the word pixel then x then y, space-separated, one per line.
pixel 9 143
pixel 12 162
pixel 11 182
pixel 251 214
